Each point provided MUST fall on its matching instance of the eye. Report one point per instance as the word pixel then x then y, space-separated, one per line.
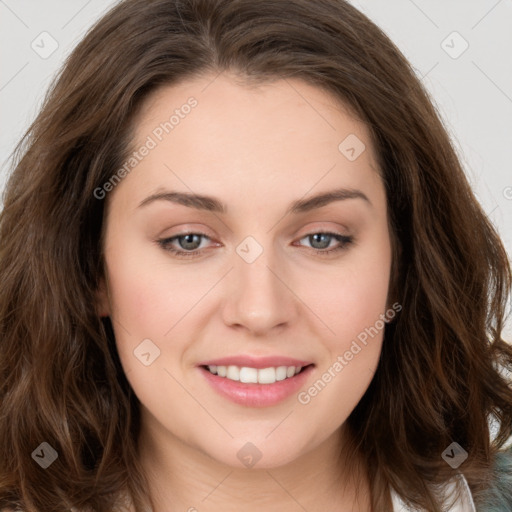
pixel 321 240
pixel 190 243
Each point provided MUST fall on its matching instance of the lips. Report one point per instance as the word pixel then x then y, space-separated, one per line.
pixel 257 395
pixel 271 391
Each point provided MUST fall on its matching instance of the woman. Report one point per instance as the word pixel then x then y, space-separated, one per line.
pixel 242 267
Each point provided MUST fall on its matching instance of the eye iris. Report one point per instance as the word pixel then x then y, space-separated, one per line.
pixel 189 243
pixel 324 244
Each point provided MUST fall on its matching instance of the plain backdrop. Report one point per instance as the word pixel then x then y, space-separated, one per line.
pixel 461 50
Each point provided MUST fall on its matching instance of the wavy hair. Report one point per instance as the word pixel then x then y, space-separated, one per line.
pixel 440 376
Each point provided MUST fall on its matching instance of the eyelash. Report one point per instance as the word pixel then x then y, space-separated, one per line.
pixel 165 243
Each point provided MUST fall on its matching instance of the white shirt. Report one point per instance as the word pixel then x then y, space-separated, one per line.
pixel 464 503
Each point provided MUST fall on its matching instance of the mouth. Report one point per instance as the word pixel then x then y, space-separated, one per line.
pixel 256 387
pixel 249 375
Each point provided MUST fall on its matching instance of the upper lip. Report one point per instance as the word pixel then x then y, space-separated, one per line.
pixel 256 362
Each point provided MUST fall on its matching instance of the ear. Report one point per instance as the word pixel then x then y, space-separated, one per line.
pixel 103 298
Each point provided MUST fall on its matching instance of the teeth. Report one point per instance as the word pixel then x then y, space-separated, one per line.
pixel 248 375
pixel 281 373
pixel 233 373
pixel 254 375
pixel 266 375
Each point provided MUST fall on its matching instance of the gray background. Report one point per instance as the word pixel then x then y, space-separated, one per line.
pixel 472 90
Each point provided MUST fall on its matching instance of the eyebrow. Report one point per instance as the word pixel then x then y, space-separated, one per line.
pixel 212 204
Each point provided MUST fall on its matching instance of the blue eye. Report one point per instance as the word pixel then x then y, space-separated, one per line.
pixel 324 236
pixel 190 242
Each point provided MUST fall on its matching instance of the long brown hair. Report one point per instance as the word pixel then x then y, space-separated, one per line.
pixel 60 378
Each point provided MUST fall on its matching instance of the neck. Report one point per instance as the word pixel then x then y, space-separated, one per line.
pixel 184 478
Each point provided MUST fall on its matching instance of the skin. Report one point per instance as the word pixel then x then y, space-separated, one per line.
pixel 257 149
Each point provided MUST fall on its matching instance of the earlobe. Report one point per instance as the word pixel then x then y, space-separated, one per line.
pixel 103 298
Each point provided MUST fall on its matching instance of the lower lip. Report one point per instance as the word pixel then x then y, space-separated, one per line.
pixel 257 395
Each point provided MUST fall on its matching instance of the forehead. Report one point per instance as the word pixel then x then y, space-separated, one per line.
pixel 217 132
pixel 227 98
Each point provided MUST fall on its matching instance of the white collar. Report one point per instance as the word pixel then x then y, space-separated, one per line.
pixel 464 503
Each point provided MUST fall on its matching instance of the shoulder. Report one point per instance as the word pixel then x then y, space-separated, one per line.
pixel 498 496
pixel 456 492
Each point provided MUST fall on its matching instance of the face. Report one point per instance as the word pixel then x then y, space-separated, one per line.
pixel 256 277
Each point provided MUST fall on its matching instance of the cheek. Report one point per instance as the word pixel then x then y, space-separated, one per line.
pixel 150 300
pixel 136 295
pixel 352 299
pixel 357 319
pixel 353 310
pixel 146 296
pixel 365 296
pixel 144 306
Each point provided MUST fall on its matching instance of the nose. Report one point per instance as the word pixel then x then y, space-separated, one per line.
pixel 259 296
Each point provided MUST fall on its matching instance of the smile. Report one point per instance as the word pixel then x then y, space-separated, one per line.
pixel 256 387
pixel 254 375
